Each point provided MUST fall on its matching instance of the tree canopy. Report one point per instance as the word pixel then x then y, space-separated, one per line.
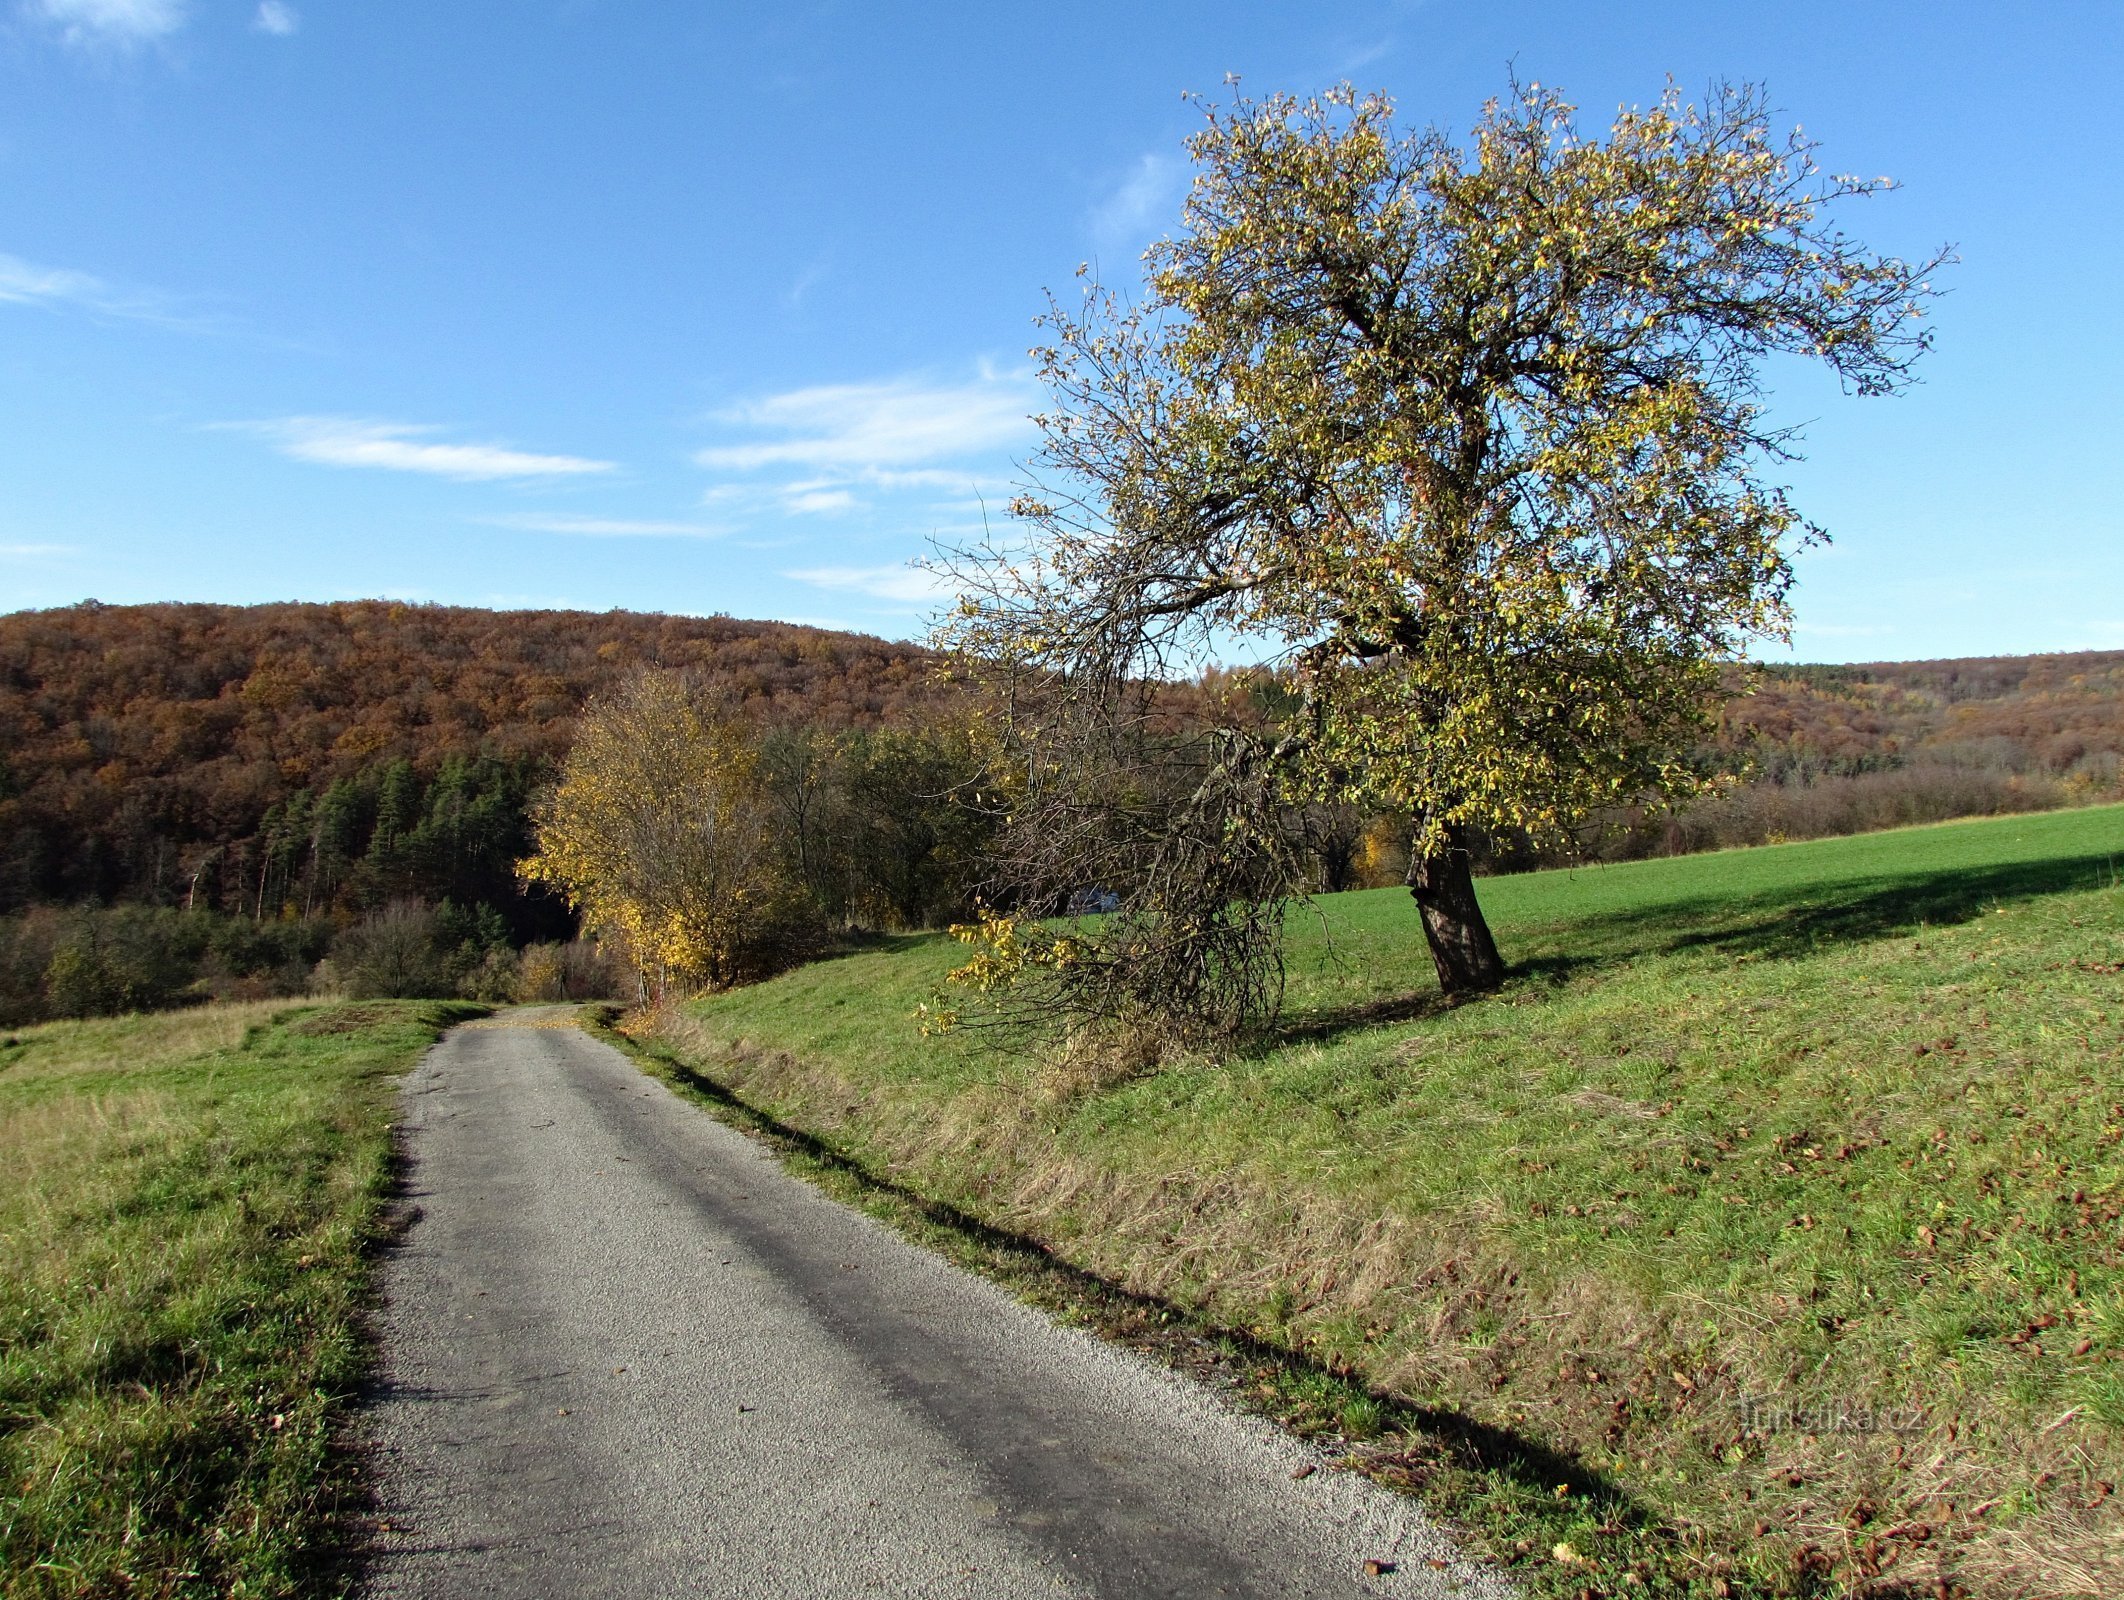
pixel 1465 436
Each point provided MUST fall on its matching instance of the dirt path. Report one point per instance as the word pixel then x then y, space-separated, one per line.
pixel 627 1355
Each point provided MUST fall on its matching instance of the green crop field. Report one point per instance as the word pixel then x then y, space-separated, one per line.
pixel 188 1203
pixel 1775 1203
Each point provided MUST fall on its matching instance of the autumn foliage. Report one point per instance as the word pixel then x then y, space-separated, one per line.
pixel 308 773
pixel 189 754
pixel 662 834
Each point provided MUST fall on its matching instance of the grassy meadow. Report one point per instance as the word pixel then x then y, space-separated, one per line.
pixel 1762 1237
pixel 188 1206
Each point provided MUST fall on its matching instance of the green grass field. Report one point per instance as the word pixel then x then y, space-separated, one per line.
pixel 1776 1201
pixel 188 1205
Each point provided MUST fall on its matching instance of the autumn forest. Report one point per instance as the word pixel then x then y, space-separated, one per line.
pixel 213 799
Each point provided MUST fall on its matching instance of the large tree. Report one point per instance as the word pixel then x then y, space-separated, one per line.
pixel 1466 435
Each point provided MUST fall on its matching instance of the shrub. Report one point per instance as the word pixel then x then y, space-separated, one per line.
pixel 126 958
pixel 580 970
pixel 494 976
pixel 395 952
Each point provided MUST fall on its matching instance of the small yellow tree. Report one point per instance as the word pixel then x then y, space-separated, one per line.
pixel 659 834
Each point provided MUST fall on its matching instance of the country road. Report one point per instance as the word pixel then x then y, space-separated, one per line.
pixel 626 1354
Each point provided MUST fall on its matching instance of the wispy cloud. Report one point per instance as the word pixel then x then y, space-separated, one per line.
pixel 877 427
pixel 27 283
pixel 34 552
pixel 809 279
pixel 119 22
pixel 400 447
pixel 904 585
pixel 607 527
pixel 817 499
pixel 277 18
pixel 957 478
pixel 1144 202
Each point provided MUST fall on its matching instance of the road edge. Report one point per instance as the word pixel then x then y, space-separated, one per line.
pixel 1488 1491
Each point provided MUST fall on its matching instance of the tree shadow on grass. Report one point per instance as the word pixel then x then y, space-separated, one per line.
pixel 1810 917
pixel 1764 926
pixel 1320 1023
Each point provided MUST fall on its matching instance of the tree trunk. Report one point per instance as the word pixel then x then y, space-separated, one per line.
pixel 1461 946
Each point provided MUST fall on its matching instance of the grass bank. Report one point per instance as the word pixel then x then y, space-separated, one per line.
pixel 188 1205
pixel 1762 1237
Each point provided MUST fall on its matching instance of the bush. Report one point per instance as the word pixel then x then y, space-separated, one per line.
pixel 126 958
pixel 27 944
pixel 494 976
pixel 97 961
pixel 661 833
pixel 1865 802
pixel 579 970
pixel 263 960
pixel 395 953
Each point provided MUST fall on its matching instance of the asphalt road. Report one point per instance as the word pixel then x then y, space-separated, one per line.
pixel 626 1354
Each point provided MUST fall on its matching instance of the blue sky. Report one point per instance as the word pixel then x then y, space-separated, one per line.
pixel 718 308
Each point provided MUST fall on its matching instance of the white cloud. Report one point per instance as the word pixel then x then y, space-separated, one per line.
pixel 124 22
pixel 277 18
pixel 876 427
pixel 906 585
pixel 1146 201
pixel 811 499
pixel 33 552
pixel 398 447
pixel 1356 57
pixel 26 283
pixel 607 527
pixel 937 478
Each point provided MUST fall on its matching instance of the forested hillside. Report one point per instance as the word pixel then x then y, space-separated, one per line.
pixel 2056 713
pixel 1847 749
pixel 253 759
pixel 259 759
pixel 357 780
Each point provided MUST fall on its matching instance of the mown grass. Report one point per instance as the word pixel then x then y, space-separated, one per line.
pixel 1773 1209
pixel 188 1204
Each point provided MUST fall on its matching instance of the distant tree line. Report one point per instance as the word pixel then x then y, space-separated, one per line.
pixel 198 755
pixel 226 801
pixel 106 960
pixel 213 801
